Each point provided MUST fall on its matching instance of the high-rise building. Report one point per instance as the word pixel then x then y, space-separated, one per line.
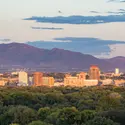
pixel 23 78
pixel 117 71
pixel 94 73
pixel 37 79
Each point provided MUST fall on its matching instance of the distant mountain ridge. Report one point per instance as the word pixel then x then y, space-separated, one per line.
pixel 58 59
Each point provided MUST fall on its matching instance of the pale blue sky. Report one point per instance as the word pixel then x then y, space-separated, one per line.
pixel 24 8
pixel 13 27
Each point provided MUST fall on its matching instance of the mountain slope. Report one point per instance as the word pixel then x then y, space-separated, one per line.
pixel 118 62
pixel 28 56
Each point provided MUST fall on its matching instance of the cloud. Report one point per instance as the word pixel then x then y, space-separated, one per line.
pixel 79 19
pixel 46 28
pixel 94 11
pixel 122 10
pixel 4 40
pixel 91 46
pixel 59 11
pixel 116 1
pixel 119 11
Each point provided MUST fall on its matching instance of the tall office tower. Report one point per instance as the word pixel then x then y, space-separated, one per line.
pixel 23 78
pixel 94 73
pixel 117 71
pixel 37 79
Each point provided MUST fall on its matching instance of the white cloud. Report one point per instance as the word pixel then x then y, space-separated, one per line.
pixel 117 50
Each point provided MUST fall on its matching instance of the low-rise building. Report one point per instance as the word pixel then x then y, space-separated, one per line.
pixel 30 80
pixel 88 83
pixel 107 82
pixel 14 73
pixel 48 81
pixel 119 82
pixel 77 81
pixel 2 82
pixel 1 74
pixel 58 84
pixel 74 82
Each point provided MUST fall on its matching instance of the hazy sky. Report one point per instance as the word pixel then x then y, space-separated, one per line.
pixel 13 27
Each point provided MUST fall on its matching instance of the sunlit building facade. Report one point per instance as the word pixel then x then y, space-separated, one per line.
pixel 117 71
pixel 48 81
pixel 23 78
pixel 37 79
pixel 94 73
pixel 2 82
pixel 77 81
pixel 90 83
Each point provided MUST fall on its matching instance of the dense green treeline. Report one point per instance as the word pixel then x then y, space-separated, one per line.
pixel 62 106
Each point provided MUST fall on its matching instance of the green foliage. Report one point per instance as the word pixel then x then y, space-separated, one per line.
pixel 100 121
pixel 68 116
pixel 103 105
pixel 110 102
pixel 18 114
pixel 14 124
pixel 87 115
pixel 52 118
pixel 43 113
pixel 38 123
pixel 115 115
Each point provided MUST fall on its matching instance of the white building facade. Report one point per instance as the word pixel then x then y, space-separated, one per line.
pixel 23 78
pixel 117 71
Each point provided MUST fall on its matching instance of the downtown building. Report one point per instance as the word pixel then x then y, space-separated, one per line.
pixel 37 79
pixel 48 81
pixel 81 81
pixel 40 80
pixel 94 73
pixel 22 78
pixel 77 81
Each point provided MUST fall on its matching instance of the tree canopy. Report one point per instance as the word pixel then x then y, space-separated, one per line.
pixel 104 105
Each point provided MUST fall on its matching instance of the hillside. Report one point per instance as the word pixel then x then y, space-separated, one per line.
pixel 58 59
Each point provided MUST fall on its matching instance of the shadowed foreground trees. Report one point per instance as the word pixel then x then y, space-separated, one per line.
pixel 62 106
pixel 38 123
pixel 100 121
pixel 18 114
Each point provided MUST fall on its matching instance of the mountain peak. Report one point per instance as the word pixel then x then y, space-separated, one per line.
pixel 56 49
pixel 58 59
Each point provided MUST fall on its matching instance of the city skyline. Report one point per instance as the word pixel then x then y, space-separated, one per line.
pixel 100 23
pixel 93 77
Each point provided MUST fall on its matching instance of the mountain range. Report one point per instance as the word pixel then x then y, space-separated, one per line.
pixel 19 54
